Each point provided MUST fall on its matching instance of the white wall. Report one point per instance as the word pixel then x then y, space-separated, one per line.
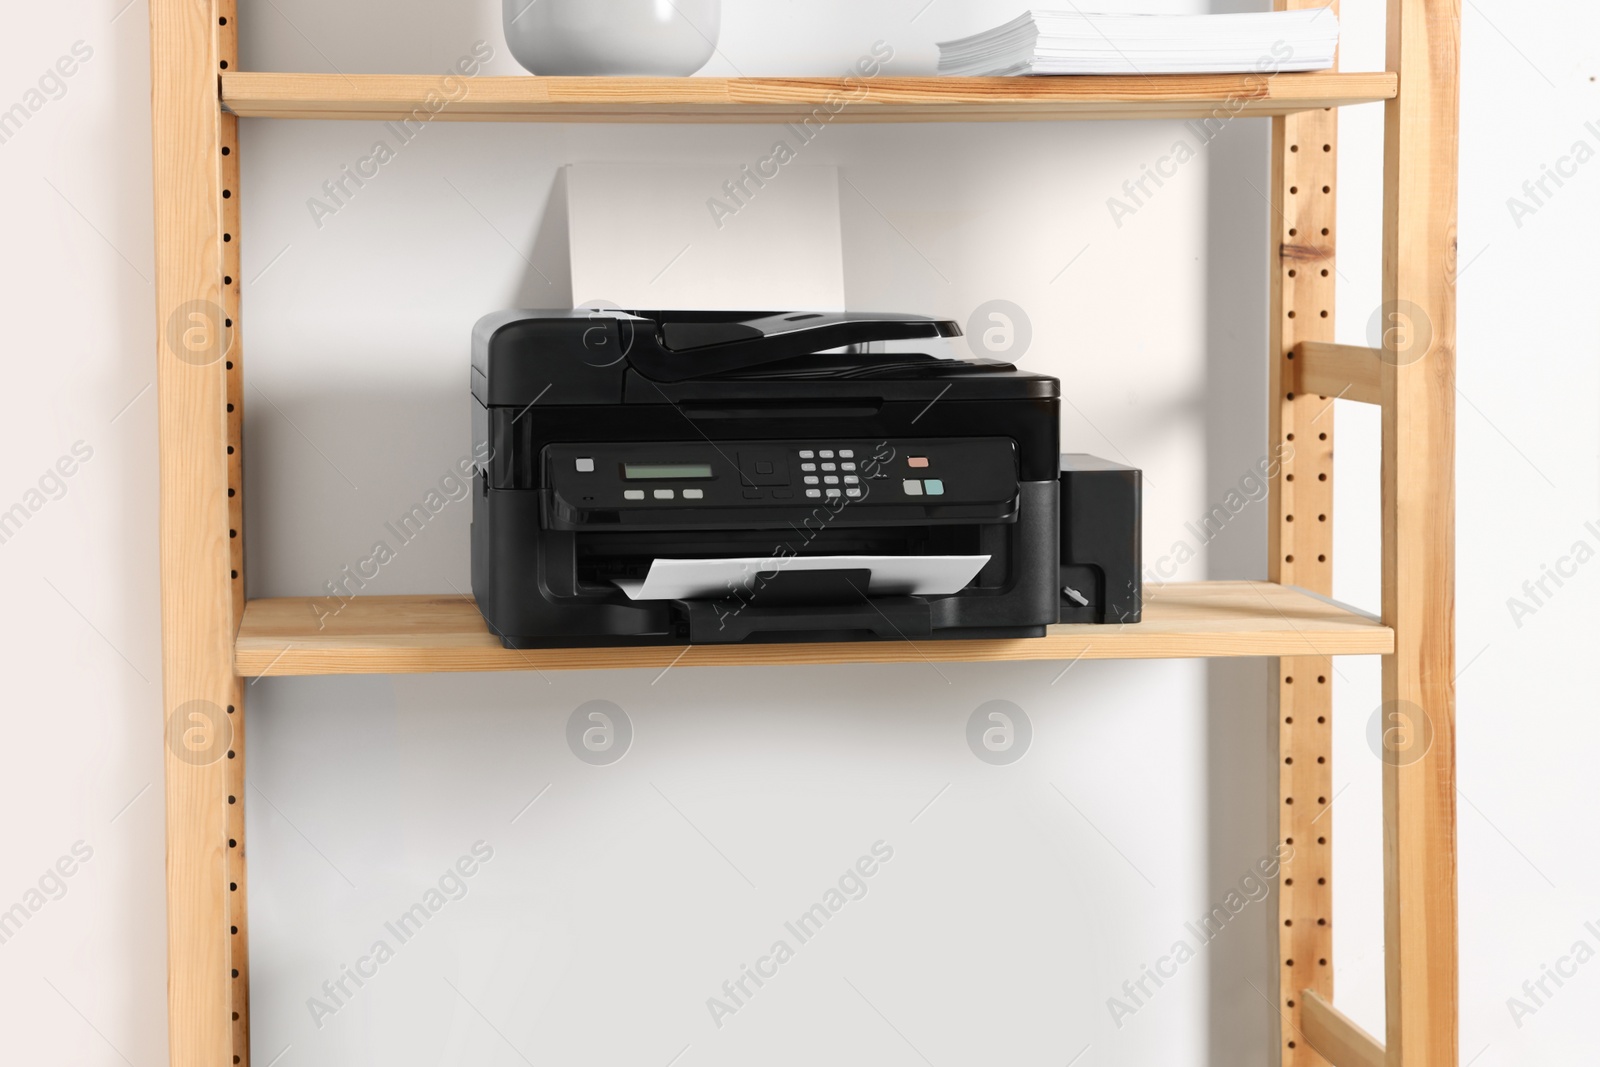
pixel 1022 897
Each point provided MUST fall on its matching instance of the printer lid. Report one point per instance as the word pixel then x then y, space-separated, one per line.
pixel 709 347
pixel 688 348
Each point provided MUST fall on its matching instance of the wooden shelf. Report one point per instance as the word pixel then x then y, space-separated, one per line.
pixel 425 634
pixel 531 99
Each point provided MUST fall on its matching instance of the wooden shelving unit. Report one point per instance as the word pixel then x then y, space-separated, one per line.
pixel 213 639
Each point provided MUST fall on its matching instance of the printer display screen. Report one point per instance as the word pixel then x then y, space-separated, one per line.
pixel 639 472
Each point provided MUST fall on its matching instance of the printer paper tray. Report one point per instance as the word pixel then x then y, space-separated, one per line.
pixel 714 579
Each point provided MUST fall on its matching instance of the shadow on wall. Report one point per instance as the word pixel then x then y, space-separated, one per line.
pixel 129 929
pixel 345 478
pixel 357 473
pixel 551 282
pixel 1241 724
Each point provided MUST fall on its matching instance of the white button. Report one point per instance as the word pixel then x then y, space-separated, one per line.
pixel 663 494
pixel 811 479
pixel 813 493
pixel 913 487
pixel 847 466
pixel 851 479
pixel 845 453
pixel 826 453
pixel 833 492
pixel 694 494
pixel 830 466
pixel 808 466
pixel 853 493
pixel 832 479
pixel 585 466
pixel 806 453
pixel 633 494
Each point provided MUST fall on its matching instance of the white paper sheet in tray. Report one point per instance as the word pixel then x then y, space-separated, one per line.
pixel 712 579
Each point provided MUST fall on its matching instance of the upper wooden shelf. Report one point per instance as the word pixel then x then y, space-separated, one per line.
pixel 426 634
pixel 531 99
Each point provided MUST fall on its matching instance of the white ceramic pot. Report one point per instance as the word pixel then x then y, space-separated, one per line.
pixel 664 38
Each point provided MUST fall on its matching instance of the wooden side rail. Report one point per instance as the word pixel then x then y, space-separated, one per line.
pixel 1304 235
pixel 1337 1039
pixel 1422 979
pixel 202 587
pixel 1348 372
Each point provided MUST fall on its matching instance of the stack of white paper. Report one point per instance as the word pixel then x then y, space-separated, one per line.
pixel 1070 42
pixel 711 579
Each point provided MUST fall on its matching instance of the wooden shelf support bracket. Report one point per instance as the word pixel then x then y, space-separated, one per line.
pixel 1339 372
pixel 1337 1039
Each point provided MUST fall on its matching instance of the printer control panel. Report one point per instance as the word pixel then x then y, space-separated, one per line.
pixel 925 474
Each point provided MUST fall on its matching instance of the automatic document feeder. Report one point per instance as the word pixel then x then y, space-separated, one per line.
pixel 671 477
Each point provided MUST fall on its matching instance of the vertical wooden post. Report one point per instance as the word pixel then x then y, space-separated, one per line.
pixel 1419 809
pixel 233 367
pixel 201 588
pixel 1300 552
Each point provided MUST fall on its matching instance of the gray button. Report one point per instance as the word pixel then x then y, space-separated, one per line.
pixel 585 466
pixel 833 492
pixel 811 479
pixel 851 479
pixel 806 453
pixel 813 493
pixel 808 466
pixel 663 494
pixel 633 494
pixel 830 466
pixel 694 494
pixel 913 487
pixel 852 493
pixel 826 453
pixel 845 453
pixel 832 479
pixel 847 466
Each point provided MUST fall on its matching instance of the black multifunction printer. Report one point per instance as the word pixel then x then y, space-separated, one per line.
pixel 614 441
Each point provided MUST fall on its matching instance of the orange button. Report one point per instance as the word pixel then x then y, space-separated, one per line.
pixel 916 461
